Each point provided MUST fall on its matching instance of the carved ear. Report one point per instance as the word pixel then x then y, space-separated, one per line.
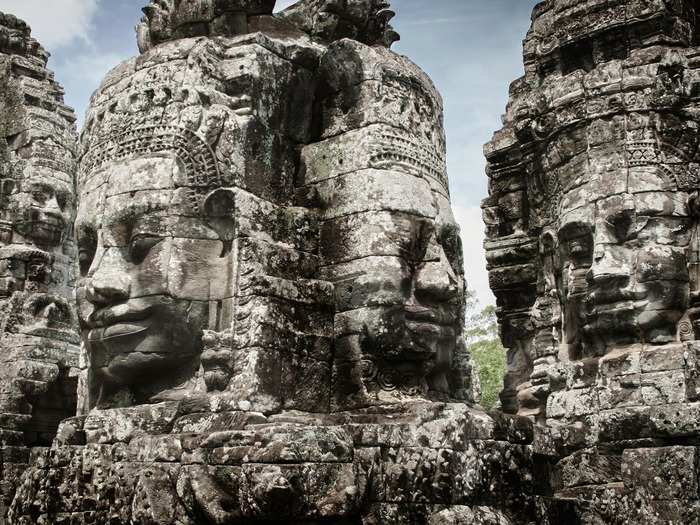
pixel 219 212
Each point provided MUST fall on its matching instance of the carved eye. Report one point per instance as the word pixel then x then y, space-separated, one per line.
pixel 87 246
pixel 451 243
pixel 140 246
pixel 62 200
pixel 620 225
pixel 39 196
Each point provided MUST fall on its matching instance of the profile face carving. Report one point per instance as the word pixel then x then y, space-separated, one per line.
pixel 389 239
pixel 410 340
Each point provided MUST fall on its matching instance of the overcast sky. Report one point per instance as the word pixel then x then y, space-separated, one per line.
pixel 471 49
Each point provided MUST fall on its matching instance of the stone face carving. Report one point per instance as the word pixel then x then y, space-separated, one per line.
pixel 271 291
pixel 591 224
pixel 171 171
pixel 38 322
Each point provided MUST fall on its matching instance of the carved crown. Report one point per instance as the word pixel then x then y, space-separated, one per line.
pixel 172 19
pixel 15 38
pixel 366 21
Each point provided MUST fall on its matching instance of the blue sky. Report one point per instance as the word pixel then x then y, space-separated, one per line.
pixel 471 49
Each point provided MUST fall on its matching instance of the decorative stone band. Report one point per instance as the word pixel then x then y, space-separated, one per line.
pixel 198 159
pixel 418 157
pixel 672 161
pixel 380 147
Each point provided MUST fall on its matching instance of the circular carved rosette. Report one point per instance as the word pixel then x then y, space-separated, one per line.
pixel 389 379
pixel 685 331
pixel 369 370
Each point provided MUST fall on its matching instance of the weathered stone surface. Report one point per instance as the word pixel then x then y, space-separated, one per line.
pixel 592 226
pixel 271 291
pixel 38 322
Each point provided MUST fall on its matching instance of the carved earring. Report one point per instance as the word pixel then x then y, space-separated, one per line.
pixel 219 213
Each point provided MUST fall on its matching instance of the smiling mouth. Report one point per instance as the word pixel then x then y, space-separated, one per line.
pixel 117 331
pixel 611 300
pixel 420 315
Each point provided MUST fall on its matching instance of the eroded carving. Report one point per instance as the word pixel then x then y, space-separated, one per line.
pixel 272 289
pixel 38 323
pixel 591 224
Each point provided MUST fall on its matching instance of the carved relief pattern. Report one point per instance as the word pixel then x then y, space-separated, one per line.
pixel 271 291
pixel 199 162
pixel 605 123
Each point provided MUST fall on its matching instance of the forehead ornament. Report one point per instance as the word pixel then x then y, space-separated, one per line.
pixel 194 154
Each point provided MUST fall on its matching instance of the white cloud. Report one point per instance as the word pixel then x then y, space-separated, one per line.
pixel 90 67
pixel 469 219
pixel 55 23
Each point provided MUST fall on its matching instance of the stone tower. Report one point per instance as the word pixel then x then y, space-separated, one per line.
pixel 592 224
pixel 38 323
pixel 271 290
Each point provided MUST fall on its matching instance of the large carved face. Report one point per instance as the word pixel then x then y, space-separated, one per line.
pixel 148 266
pixel 625 274
pixel 402 293
pixel 414 339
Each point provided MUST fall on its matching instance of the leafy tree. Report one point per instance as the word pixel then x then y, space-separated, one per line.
pixel 484 344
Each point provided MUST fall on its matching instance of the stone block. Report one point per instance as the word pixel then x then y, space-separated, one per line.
pixel 588 467
pixel 620 362
pixel 669 357
pixel 664 473
pixel 573 403
pixel 663 388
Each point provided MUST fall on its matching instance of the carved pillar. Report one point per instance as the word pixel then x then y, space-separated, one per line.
pixel 38 323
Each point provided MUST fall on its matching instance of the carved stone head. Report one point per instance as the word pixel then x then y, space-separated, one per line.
pixel 179 167
pixel 210 251
pixel 590 220
pixel 389 239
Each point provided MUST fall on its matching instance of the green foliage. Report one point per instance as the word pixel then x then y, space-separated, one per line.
pixel 485 347
pixel 490 359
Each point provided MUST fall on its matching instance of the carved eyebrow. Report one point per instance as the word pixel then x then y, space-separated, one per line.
pixel 574 229
pixel 57 187
pixel 131 213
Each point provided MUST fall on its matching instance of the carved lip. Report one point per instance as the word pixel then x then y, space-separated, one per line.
pixel 117 331
pixel 115 315
pixel 606 300
pixel 424 315
pixel 50 225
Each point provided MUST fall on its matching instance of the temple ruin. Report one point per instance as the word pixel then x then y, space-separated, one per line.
pixel 592 224
pixel 238 296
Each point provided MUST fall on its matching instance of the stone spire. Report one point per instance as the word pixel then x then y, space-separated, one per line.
pixel 38 323
pixel 592 247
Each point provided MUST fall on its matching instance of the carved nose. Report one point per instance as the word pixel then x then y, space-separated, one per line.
pixel 51 206
pixel 608 272
pixel 108 290
pixel 435 282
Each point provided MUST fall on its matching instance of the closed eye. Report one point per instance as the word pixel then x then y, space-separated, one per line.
pixel 141 245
